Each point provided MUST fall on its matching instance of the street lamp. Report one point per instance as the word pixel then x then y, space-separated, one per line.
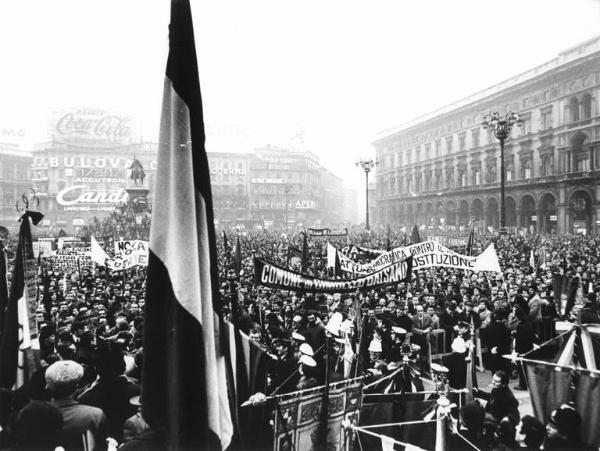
pixel 286 189
pixel 502 127
pixel 367 164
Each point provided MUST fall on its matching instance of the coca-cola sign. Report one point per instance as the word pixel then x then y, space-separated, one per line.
pixel 81 194
pixel 94 125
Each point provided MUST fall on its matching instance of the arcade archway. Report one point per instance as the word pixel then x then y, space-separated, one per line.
pixel 463 213
pixel 451 213
pixel 547 217
pixel 492 216
pixel 510 208
pixel 580 212
pixel 527 210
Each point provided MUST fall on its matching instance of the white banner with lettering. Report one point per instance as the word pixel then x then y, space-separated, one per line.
pixel 427 254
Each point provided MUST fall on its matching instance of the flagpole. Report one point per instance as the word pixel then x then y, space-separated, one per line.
pixel 325 411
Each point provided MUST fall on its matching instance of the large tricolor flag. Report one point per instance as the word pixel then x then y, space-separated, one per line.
pixel 185 383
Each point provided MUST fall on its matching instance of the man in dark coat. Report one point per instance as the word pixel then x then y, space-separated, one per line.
pixel 79 420
pixel 501 401
pixel 113 390
pixel 497 338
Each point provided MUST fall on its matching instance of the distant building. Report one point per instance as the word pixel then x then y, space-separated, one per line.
pixel 444 168
pixel 15 179
pixel 274 186
pixel 82 172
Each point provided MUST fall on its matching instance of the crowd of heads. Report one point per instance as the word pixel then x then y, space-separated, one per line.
pixel 92 320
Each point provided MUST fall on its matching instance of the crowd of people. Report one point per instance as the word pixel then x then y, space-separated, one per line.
pixel 90 327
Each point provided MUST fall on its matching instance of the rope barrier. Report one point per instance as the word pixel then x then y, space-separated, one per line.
pixel 403 423
pixel 408 446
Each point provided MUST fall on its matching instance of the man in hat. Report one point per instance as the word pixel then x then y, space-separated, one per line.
pixel 135 425
pixel 457 364
pixel 79 420
pixel 307 371
pixel 563 430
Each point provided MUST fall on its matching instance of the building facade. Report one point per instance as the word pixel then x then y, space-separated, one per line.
pixel 15 180
pixel 83 171
pixel 274 187
pixel 443 169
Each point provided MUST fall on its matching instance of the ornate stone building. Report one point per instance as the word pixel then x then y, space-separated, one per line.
pixel 444 168
pixel 15 179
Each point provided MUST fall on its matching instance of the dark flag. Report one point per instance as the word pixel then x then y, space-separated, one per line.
pixel 573 284
pixel 3 288
pixel 415 237
pixel 9 347
pixel 337 268
pixel 237 257
pixel 186 357
pixel 294 257
pixel 470 241
pixel 388 245
pixel 225 242
pixel 304 253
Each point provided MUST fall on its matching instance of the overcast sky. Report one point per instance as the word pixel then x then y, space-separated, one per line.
pixel 339 70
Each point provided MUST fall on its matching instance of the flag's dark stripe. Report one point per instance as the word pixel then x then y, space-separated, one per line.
pixel 173 390
pixel 9 347
pixel 3 289
pixel 182 70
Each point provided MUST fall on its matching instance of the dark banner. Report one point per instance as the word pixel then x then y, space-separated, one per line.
pixel 327 232
pixel 297 417
pixel 271 275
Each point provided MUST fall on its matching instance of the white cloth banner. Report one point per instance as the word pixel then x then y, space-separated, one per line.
pixel 427 254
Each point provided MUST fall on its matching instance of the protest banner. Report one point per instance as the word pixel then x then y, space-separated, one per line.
pixel 71 260
pixel 129 253
pixel 326 232
pixel 45 247
pixel 360 253
pixel 133 245
pixel 271 275
pixel 427 254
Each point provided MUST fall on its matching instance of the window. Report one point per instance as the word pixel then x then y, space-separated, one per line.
pixel 546 119
pixel 547 165
pixel 476 176
pixel 509 171
pixel 438 148
pixel 462 177
pixel 491 173
pixel 583 162
pixel 462 141
pixel 427 151
pixel 586 106
pixel 450 178
pixel 527 173
pixel 573 109
pixel 449 144
pixel 475 137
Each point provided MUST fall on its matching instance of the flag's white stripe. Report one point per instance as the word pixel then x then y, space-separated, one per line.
pixel 179 239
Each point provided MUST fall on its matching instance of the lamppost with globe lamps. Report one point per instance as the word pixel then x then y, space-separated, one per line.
pixel 367 164
pixel 502 126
